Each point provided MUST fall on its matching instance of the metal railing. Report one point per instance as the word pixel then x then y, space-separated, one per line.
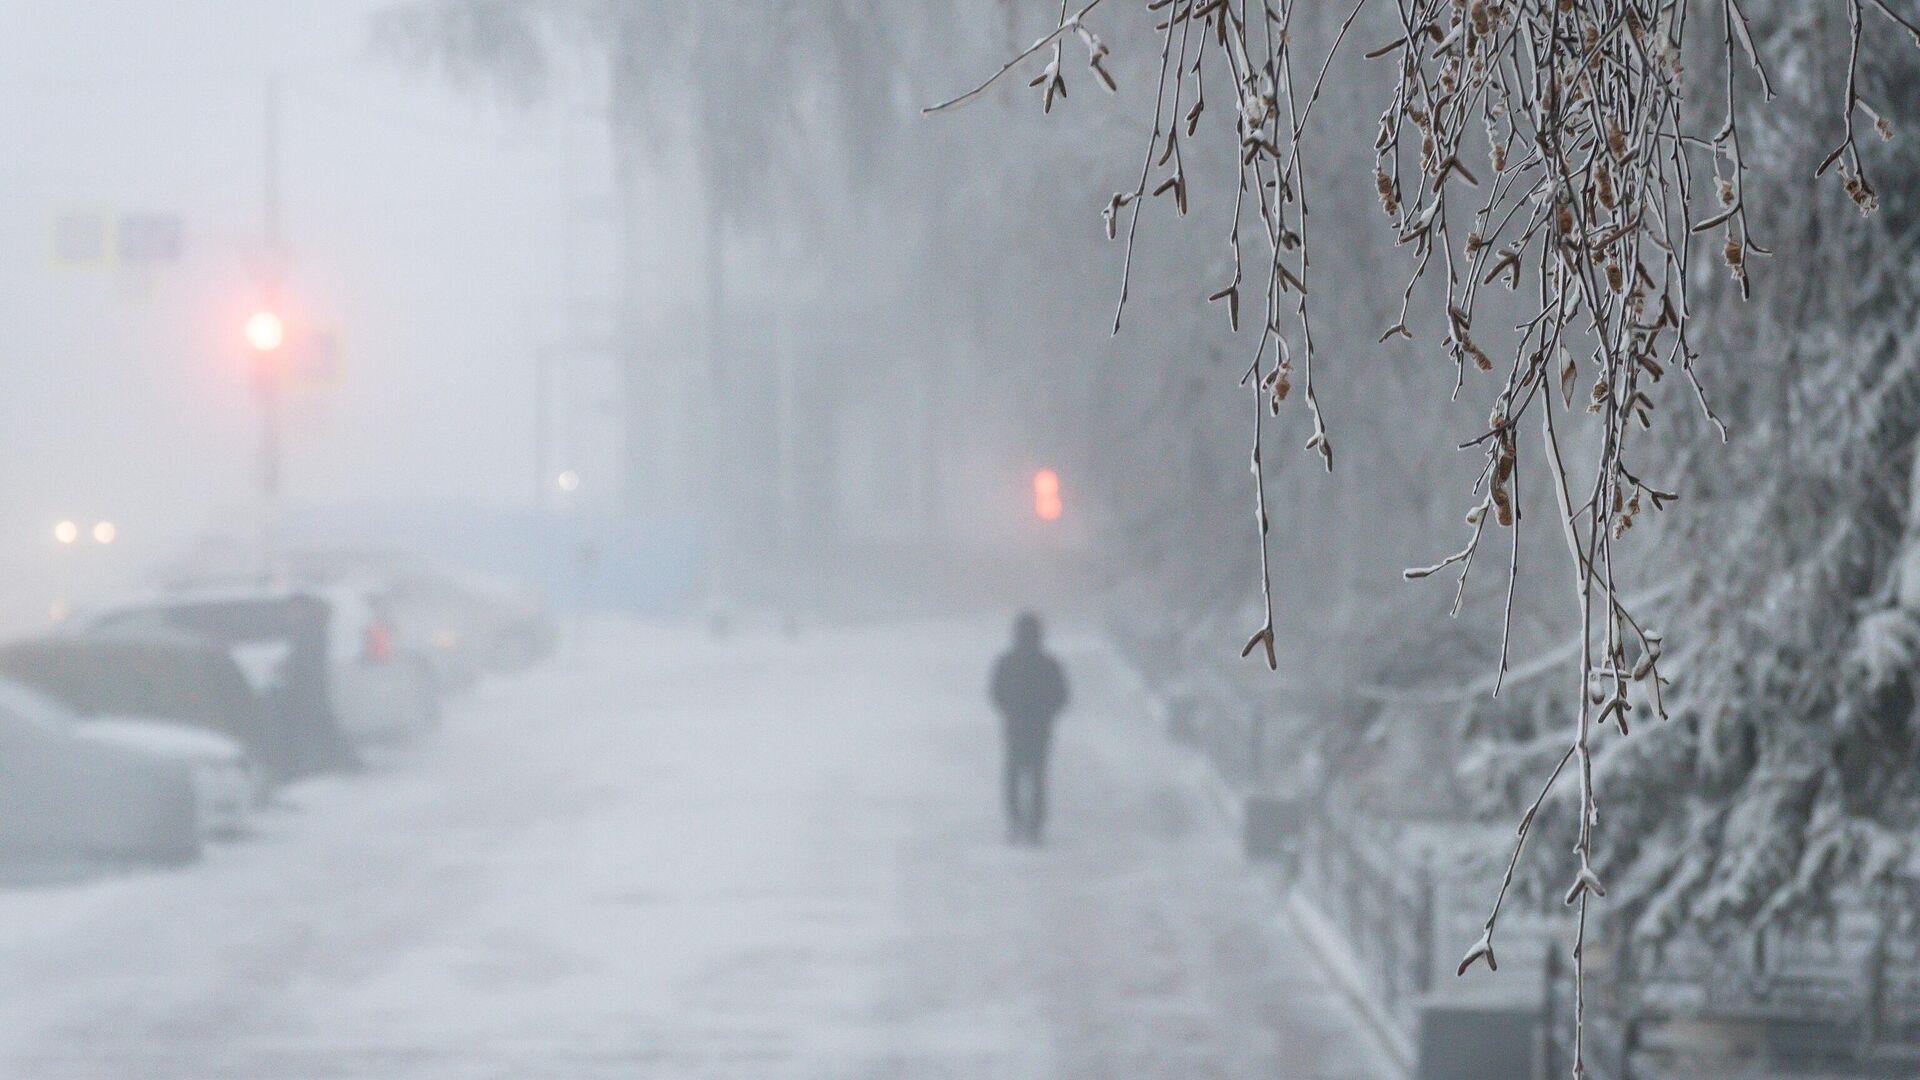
pixel 1385 914
pixel 1391 917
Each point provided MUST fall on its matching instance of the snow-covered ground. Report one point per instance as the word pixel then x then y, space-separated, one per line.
pixel 669 857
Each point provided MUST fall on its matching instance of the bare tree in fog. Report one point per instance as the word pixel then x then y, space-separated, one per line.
pixel 1585 179
pixel 898 232
pixel 671 77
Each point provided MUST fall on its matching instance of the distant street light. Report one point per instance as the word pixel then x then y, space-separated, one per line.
pixel 104 532
pixel 66 532
pixel 568 481
pixel 265 331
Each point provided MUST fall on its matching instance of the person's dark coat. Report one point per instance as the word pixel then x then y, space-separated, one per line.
pixel 1029 690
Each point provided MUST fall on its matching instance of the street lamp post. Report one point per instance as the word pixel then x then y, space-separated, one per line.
pixel 265 334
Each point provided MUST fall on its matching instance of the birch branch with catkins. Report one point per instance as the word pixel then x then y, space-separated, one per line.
pixel 1537 146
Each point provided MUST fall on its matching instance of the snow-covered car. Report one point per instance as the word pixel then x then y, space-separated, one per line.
pixel 211 769
pixel 225 789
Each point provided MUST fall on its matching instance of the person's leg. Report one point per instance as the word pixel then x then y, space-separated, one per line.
pixel 1029 798
pixel 1037 802
pixel 1010 782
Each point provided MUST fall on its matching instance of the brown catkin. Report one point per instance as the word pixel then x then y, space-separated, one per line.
pixel 1384 184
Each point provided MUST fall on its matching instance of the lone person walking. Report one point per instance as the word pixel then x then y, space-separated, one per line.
pixel 1029 690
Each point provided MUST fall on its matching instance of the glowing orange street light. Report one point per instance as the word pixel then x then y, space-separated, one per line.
pixel 265 331
pixel 1046 495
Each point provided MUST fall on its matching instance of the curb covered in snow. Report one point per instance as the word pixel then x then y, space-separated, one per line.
pixel 1332 954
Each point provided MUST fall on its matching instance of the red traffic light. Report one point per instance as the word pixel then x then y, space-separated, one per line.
pixel 265 331
pixel 1046 495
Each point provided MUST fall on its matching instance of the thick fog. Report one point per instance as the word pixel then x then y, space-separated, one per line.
pixel 428 231
pixel 965 538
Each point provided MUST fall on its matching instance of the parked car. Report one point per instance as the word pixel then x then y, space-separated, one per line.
pixel 113 786
pixel 469 627
pixel 457 626
pixel 326 654
pixel 382 690
pixel 162 673
pixel 461 626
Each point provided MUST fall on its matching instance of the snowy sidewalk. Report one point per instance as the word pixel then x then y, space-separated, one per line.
pixel 674 858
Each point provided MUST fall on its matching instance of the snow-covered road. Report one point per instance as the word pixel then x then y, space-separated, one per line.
pixel 670 857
